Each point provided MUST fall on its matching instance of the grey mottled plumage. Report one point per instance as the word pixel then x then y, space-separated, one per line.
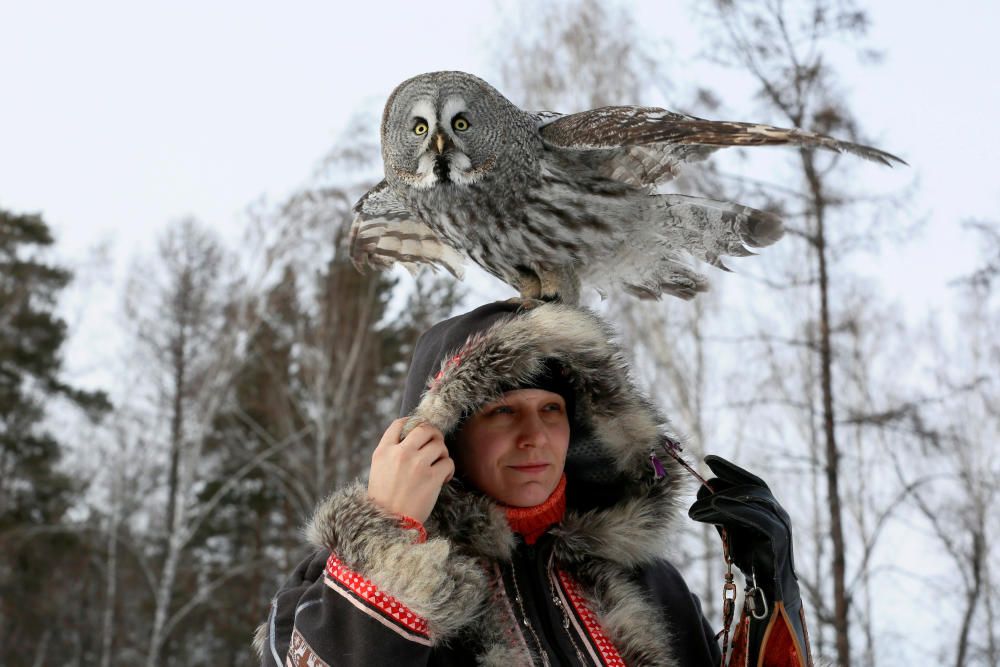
pixel 543 201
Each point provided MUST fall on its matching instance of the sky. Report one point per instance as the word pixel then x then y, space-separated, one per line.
pixel 118 118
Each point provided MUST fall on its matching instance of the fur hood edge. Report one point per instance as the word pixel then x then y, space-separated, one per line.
pixel 616 429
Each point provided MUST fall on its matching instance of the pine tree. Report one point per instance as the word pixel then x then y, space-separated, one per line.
pixel 34 493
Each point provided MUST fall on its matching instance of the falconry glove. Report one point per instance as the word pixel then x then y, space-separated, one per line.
pixel 772 629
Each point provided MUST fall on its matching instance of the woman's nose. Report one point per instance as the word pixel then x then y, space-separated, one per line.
pixel 532 431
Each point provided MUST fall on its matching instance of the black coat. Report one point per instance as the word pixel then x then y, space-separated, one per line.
pixel 332 627
pixel 474 593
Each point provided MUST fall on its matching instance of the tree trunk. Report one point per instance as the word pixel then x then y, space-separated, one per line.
pixel 176 425
pixel 164 598
pixel 42 648
pixel 841 621
pixel 971 597
pixel 709 536
pixel 992 651
pixel 110 594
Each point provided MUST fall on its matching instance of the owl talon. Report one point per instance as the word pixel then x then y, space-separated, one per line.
pixel 525 303
pixel 528 284
pixel 560 285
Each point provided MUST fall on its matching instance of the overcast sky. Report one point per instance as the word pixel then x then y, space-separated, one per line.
pixel 119 117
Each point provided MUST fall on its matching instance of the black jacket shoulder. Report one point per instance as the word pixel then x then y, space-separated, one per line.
pixel 693 640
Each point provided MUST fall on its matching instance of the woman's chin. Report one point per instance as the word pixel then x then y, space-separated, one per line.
pixel 528 495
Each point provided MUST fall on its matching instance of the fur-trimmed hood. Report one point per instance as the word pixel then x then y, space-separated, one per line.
pixel 617 509
pixel 620 514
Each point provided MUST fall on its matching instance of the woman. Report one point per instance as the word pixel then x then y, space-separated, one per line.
pixel 518 516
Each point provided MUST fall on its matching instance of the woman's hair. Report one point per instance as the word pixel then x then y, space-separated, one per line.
pixel 554 378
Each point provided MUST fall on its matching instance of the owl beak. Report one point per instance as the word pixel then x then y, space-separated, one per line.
pixel 442 142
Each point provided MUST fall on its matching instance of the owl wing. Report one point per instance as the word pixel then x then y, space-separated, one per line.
pixel 385 232
pixel 636 163
pixel 646 145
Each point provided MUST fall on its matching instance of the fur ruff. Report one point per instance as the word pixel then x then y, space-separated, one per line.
pixel 259 639
pixel 599 546
pixel 626 615
pixel 614 418
pixel 449 591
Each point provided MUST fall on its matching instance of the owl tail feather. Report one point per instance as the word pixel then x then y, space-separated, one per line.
pixel 679 227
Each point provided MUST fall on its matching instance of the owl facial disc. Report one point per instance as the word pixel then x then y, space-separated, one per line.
pixel 434 130
pixel 442 160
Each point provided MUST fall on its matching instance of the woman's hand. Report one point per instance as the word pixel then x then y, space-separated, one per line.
pixel 406 476
pixel 760 543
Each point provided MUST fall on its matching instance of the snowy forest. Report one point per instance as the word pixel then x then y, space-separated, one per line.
pixel 150 522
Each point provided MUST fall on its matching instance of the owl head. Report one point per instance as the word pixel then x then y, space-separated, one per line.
pixel 448 129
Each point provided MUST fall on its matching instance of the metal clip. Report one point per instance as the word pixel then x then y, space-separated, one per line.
pixel 729 594
pixel 728 597
pixel 751 598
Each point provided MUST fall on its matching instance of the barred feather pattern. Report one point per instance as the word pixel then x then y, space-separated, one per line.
pixel 617 236
pixel 544 201
pixel 617 126
pixel 384 232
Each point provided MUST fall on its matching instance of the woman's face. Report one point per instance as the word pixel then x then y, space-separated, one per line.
pixel 514 449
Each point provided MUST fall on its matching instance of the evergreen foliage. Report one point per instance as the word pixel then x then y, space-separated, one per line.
pixel 34 492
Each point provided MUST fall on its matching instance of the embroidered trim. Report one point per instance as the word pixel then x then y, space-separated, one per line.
pixel 409 523
pixel 605 648
pixel 368 598
pixel 301 654
pixel 570 618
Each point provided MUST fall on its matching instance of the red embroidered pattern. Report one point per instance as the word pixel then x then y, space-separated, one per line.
pixel 301 654
pixel 608 652
pixel 389 606
pixel 409 523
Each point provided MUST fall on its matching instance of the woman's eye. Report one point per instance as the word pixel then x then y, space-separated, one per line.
pixel 420 128
pixel 553 407
pixel 502 410
pixel 460 123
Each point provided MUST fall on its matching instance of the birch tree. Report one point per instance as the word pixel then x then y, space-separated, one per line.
pixel 176 302
pixel 782 49
pixel 957 437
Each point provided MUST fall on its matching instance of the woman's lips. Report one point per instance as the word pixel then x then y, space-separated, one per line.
pixel 531 467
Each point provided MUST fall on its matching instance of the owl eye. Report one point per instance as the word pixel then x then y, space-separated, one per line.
pixel 420 128
pixel 460 123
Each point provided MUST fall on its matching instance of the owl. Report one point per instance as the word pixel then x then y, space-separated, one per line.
pixel 547 202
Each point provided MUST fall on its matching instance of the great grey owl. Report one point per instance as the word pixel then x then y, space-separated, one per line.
pixel 544 200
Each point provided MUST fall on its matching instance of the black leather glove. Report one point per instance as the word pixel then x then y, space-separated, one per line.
pixel 760 544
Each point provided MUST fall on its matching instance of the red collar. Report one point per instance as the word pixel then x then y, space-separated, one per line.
pixel 532 522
